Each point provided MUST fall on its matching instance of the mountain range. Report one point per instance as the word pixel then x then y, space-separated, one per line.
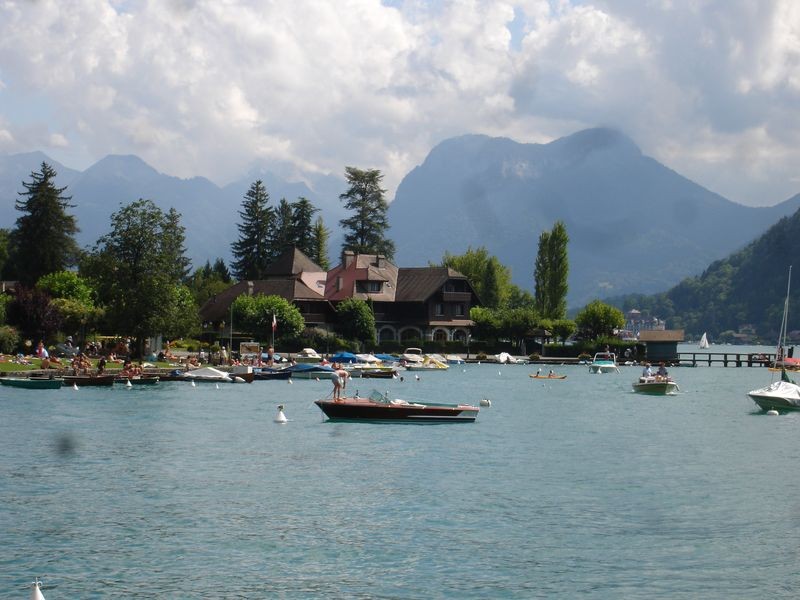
pixel 634 224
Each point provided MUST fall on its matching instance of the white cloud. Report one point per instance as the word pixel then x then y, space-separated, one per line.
pixel 208 87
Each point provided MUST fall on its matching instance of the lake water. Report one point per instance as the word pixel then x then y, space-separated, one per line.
pixel 574 488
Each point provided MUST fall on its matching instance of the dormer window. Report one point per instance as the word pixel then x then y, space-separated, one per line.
pixel 368 287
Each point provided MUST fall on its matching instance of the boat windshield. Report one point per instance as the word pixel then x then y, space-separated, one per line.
pixel 377 396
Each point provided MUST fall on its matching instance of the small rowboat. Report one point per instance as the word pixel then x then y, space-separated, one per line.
pixel 548 376
pixel 32 383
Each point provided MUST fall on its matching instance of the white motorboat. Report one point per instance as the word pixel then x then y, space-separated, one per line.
pixel 604 362
pixel 656 386
pixel 212 375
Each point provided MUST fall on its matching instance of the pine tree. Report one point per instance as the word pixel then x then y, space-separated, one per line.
pixel 302 226
pixel 319 245
pixel 281 238
pixel 252 250
pixel 43 240
pixel 491 284
pixel 551 272
pixel 221 271
pixel 365 231
pixel 172 246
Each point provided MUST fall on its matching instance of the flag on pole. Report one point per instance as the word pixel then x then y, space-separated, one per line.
pixel 274 323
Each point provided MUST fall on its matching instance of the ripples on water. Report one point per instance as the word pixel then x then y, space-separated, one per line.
pixel 565 488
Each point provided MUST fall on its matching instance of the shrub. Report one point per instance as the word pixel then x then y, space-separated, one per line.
pixel 9 339
pixel 534 356
pixel 481 356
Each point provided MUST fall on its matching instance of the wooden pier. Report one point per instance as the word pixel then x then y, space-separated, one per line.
pixel 726 359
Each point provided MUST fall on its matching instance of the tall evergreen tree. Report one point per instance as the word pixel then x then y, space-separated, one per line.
pixel 365 231
pixel 43 240
pixel 551 272
pixel 302 226
pixel 281 238
pixel 319 245
pixel 252 250
pixel 221 271
pixel 173 247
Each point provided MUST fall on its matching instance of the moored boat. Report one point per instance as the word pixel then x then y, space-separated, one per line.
pixel 378 407
pixel 33 383
pixel 657 386
pixel 307 371
pixel 138 379
pixel 268 374
pixel 90 380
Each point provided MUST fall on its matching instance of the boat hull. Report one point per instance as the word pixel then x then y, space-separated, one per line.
pixel 32 383
pixel 656 388
pixel 780 396
pixel 270 374
pixel 145 380
pixel 548 376
pixel 603 369
pixel 362 409
pixel 90 380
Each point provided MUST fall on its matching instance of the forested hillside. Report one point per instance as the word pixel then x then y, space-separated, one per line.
pixel 748 287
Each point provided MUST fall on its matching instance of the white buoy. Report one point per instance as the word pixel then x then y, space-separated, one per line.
pixel 128 384
pixel 216 385
pixel 193 384
pixel 486 402
pixel 772 413
pixel 289 381
pixel 417 377
pixel 36 592
pixel 75 386
pixel 499 373
pixel 280 417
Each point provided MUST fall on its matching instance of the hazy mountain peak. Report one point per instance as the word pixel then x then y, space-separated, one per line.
pixel 126 167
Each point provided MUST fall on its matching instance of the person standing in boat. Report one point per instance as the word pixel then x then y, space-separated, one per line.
pixel 339 378
pixel 648 372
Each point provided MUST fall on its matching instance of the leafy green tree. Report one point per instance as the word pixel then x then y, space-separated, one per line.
pixel 182 318
pixel 517 323
pixel 74 299
pixel 519 298
pixel 563 329
pixel 67 284
pixel 254 314
pixel 365 230
pixel 487 323
pixel 133 270
pixel 599 319
pixel 252 250
pixel 474 264
pixel 355 321
pixel 319 245
pixel 551 271
pixel 303 226
pixel 43 238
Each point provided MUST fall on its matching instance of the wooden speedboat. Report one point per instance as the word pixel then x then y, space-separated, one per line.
pixel 378 407
pixel 657 386
pixel 268 374
pixel 32 383
pixel 90 380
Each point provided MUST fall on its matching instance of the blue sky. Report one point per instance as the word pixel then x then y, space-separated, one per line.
pixel 206 87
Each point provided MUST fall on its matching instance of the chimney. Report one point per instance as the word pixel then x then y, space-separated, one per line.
pixel 348 257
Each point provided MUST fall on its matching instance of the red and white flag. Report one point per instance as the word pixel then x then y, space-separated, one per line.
pixel 274 322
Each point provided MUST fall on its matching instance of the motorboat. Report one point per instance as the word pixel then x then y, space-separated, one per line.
pixel 604 362
pixel 308 371
pixel 783 394
pixel 212 375
pixel 33 383
pixel 454 359
pixel 270 373
pixel 428 363
pixel 307 355
pixel 504 358
pixel 378 407
pixel 656 386
pixel 411 356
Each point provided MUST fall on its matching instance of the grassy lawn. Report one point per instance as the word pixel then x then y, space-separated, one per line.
pixel 7 366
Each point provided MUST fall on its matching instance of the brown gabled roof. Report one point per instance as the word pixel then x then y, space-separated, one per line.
pixel 417 284
pixel 661 335
pixel 292 262
pixel 218 308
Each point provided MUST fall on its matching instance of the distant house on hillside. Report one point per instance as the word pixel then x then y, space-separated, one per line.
pixel 661 344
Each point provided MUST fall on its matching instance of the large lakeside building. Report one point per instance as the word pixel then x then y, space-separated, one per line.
pixel 419 303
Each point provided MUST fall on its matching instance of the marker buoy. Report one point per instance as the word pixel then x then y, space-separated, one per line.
pixel 280 417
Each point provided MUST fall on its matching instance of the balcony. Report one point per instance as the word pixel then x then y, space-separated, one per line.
pixel 456 296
